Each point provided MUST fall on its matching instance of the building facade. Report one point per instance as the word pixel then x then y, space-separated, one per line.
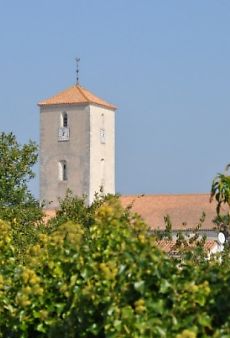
pixel 77 145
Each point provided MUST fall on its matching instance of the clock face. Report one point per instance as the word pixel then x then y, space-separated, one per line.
pixel 63 134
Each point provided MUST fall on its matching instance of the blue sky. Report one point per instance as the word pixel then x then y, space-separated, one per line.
pixel 164 63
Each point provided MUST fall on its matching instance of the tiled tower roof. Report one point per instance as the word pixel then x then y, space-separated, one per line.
pixel 76 95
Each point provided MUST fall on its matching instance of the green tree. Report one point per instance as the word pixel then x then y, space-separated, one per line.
pixel 16 162
pixel 75 208
pixel 220 190
pixel 17 205
pixel 109 280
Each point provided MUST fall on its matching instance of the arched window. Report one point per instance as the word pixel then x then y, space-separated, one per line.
pixel 63 171
pixel 64 120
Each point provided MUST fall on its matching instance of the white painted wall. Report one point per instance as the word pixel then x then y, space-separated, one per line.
pixel 75 152
pixel 90 163
pixel 102 154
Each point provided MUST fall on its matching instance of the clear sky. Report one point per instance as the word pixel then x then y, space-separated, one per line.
pixel 164 63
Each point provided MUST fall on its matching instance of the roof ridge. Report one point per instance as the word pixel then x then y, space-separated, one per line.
pixel 83 94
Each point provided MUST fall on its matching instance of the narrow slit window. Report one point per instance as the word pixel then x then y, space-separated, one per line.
pixel 102 175
pixel 102 135
pixel 64 120
pixel 63 171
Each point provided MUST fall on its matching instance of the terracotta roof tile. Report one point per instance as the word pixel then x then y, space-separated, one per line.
pixel 170 246
pixel 76 95
pixel 185 211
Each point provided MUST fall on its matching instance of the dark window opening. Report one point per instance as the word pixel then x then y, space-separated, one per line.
pixel 65 120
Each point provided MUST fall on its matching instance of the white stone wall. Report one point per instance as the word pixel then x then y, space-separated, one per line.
pixel 90 161
pixel 102 154
pixel 75 152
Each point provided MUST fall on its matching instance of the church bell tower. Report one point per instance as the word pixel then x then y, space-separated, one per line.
pixel 77 145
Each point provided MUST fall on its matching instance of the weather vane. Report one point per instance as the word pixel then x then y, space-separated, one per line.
pixel 77 70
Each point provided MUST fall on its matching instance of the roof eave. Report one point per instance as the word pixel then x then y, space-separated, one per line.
pixel 110 107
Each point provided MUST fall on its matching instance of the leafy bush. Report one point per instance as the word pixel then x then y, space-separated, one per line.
pixel 107 279
pixel 76 209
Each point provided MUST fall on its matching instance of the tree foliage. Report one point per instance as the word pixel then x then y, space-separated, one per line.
pixel 220 190
pixel 96 271
pixel 108 279
pixel 15 170
pixel 77 209
pixel 16 162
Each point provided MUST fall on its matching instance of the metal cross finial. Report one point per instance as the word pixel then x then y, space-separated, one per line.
pixel 77 71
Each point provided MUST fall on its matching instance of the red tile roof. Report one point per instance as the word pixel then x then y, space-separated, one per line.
pixel 185 211
pixel 76 95
pixel 170 246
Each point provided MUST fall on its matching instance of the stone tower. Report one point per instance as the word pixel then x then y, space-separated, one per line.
pixel 77 145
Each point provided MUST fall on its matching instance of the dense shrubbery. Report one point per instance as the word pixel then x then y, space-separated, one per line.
pixel 96 272
pixel 17 205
